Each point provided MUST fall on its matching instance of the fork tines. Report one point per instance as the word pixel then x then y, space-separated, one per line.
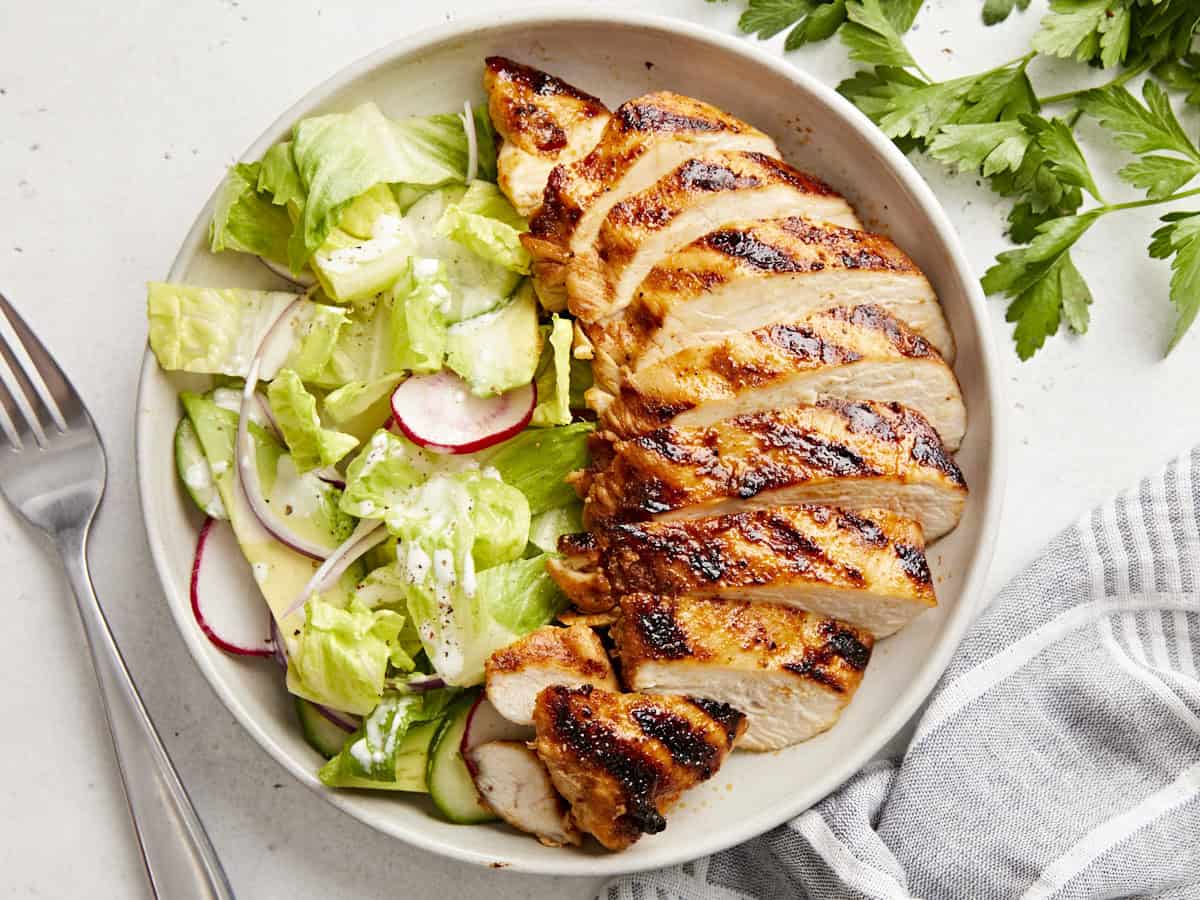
pixel 33 390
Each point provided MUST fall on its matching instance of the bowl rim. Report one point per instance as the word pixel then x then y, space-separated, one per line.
pixel 922 682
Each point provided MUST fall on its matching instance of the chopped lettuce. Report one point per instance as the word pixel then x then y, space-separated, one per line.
pixel 383 475
pixel 500 517
pixel 537 461
pixel 217 331
pixel 295 409
pixel 343 155
pixel 363 351
pixel 341 656
pixel 370 754
pixel 360 407
pixel 497 351
pixel 485 223
pixel 247 220
pixel 368 249
pixel 418 323
pixel 278 177
pixel 553 376
pixel 547 527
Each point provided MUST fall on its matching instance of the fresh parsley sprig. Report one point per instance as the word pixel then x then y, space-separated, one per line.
pixel 993 123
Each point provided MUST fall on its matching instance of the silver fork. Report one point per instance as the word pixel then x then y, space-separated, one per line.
pixel 52 471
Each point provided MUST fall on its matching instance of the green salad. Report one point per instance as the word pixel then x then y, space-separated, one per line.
pixel 386 435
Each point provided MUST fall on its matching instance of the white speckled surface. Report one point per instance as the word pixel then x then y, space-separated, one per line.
pixel 115 123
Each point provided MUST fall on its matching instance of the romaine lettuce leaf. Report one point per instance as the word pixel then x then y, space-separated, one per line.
pixel 279 177
pixel 500 517
pixel 341 657
pixel 383 475
pixel 368 249
pixel 370 753
pixel 538 459
pixel 363 350
pixel 360 407
pixel 217 331
pixel 553 376
pixel 342 155
pixel 246 220
pixel 418 322
pixel 295 409
pixel 485 223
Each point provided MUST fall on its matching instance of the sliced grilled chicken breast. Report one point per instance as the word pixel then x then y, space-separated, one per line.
pixel 859 455
pixel 516 674
pixel 514 782
pixel 543 121
pixel 698 196
pixel 622 760
pixel 750 275
pixel 851 353
pixel 791 672
pixel 865 568
pixel 645 139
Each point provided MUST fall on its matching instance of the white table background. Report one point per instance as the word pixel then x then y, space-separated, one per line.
pixel 116 122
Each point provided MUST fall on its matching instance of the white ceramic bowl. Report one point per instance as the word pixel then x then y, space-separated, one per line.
pixel 617 55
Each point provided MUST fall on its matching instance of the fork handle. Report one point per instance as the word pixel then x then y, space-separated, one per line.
pixel 179 857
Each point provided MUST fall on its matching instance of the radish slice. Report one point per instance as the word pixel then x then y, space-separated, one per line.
pixel 440 413
pixel 225 598
pixel 485 725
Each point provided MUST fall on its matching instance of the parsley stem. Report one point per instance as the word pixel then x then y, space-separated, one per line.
pixel 1125 76
pixel 1138 204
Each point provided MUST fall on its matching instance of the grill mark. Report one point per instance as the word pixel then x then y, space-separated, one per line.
pixel 699 175
pixel 723 714
pixel 558 215
pixel 659 631
pixel 846 645
pixel 702 555
pixel 599 744
pixel 582 543
pixel 687 745
pixel 789 544
pixel 813 666
pixel 635 116
pixel 803 343
pixel 786 173
pixel 541 83
pixel 928 449
pixel 855 249
pixel 906 342
pixel 867 418
pixel 913 562
pixel 807 444
pixel 868 531
pixel 746 247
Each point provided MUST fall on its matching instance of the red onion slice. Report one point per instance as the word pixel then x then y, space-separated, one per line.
pixel 342 720
pixel 368 534
pixel 304 279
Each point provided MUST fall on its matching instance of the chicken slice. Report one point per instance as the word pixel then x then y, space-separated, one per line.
pixel 855 456
pixel 851 353
pixel 514 782
pixel 516 674
pixel 543 121
pixel 791 672
pixel 750 275
pixel 622 760
pixel 698 196
pixel 866 568
pixel 645 139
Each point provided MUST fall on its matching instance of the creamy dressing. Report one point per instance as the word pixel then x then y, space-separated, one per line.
pixel 388 233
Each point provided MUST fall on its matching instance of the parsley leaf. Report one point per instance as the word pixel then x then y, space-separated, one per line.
pixel 1160 176
pixel 993 147
pixel 817 26
pixel 872 36
pixel 1180 238
pixel 766 18
pixel 998 10
pixel 1182 75
pixel 1138 128
pixel 1085 30
pixel 1043 283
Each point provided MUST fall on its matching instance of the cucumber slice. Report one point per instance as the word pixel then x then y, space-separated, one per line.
pixel 451 786
pixel 195 472
pixel 412 759
pixel 321 734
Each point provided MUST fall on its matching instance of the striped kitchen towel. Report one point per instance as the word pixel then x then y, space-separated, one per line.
pixel 1059 756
